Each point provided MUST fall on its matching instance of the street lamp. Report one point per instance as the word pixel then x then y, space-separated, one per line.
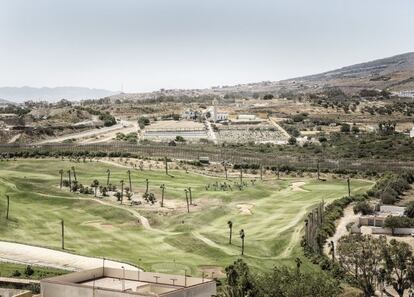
pixel 123 278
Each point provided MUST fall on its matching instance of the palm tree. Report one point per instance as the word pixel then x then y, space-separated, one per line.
pixel 166 166
pixel 95 184
pixel 186 198
pixel 70 181
pixel 191 196
pixel 109 175
pixel 61 177
pixel 122 190
pixel 230 223
pixel 74 173
pixel 162 194
pixel 298 263
pixel 242 235
pixel 129 177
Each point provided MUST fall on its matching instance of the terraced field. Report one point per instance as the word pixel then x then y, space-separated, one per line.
pixel 168 239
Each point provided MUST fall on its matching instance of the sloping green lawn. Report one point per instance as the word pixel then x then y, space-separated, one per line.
pixel 177 240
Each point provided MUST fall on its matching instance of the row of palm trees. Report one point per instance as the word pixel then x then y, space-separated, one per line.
pixel 241 234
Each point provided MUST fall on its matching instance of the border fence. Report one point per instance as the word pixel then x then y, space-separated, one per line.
pixel 215 154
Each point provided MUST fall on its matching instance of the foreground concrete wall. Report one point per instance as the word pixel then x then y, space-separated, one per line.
pixel 62 290
pixel 80 276
pixel 152 277
pixel 201 290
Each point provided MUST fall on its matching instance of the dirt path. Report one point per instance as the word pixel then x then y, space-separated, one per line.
pixel 348 217
pixel 14 138
pixel 27 254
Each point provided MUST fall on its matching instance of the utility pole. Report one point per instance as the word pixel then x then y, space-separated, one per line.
pixel 349 186
pixel 62 222
pixel 162 194
pixel 129 177
pixel 278 172
pixel 8 207
pixel 146 182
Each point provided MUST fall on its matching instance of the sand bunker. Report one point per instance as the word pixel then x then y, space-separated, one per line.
pixel 245 209
pixel 296 186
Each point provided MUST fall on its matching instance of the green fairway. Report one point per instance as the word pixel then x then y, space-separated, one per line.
pixel 270 212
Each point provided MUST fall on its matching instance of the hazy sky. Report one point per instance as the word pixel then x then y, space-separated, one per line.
pixel 152 44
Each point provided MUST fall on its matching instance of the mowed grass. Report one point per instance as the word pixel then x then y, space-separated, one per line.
pixel 177 241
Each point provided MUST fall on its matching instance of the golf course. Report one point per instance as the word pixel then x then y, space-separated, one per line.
pixel 162 239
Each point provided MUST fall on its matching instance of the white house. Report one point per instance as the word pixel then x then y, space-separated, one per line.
pixel 412 133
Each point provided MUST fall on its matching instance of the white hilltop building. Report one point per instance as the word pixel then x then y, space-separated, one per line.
pixel 412 133
pixel 216 115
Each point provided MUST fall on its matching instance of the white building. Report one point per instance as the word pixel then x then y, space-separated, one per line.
pixel 112 282
pixel 412 133
pixel 216 115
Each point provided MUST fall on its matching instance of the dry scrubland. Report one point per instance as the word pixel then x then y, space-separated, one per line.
pixel 271 212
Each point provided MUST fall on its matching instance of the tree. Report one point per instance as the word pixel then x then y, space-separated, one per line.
pixel 74 174
pixel 242 235
pixel 345 128
pixel 288 282
pixel 399 268
pixel 95 185
pixel 240 279
pixel 108 171
pixel 409 210
pixel 61 177
pixel 363 207
pixel 149 198
pixel 129 178
pixel 162 194
pixel 361 257
pixel 179 138
pixel 190 195
pixel 186 199
pixel 230 224
pixel 70 181
pixel 292 141
pixel 122 190
pixel 398 222
pixel 28 271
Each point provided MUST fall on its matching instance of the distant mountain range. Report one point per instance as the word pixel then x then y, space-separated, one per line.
pixel 395 73
pixel 21 94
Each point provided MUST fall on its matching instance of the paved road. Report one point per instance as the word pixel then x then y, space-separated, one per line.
pixel 90 133
pixel 27 254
